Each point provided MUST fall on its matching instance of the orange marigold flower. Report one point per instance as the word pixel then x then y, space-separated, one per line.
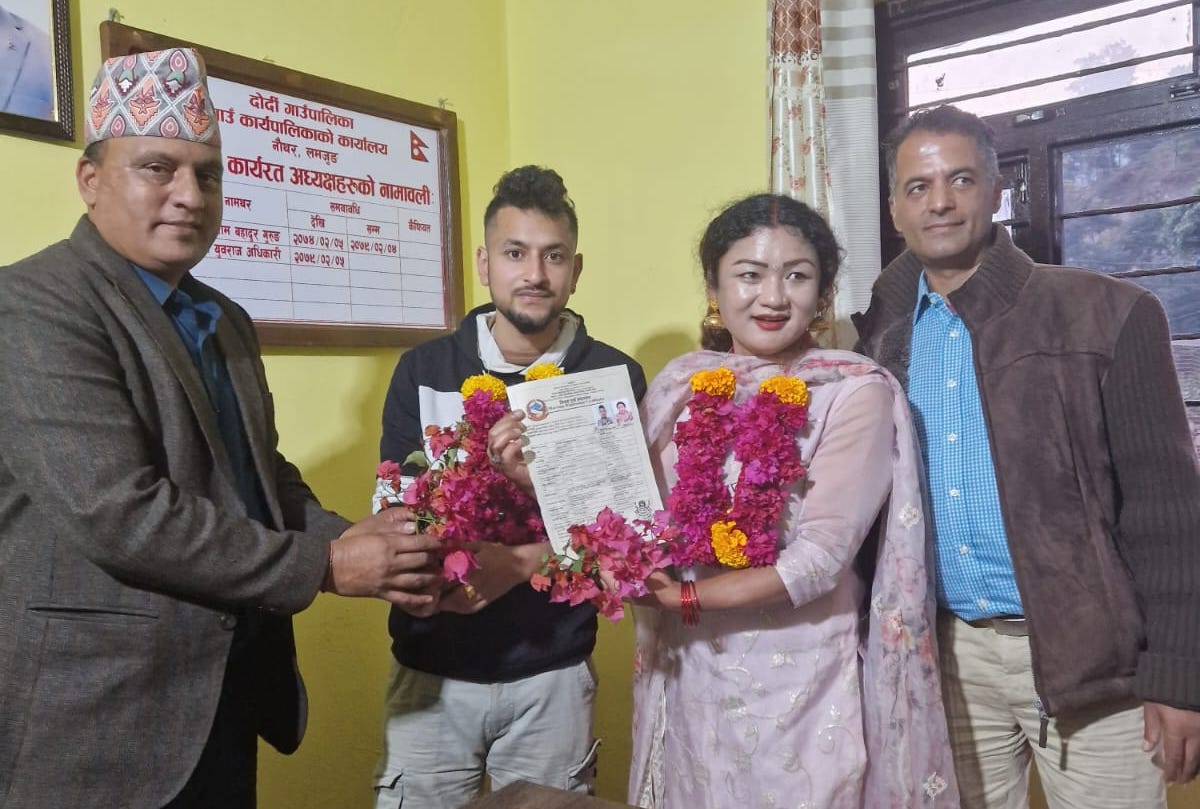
pixel 789 389
pixel 728 543
pixel 543 370
pixel 718 382
pixel 487 382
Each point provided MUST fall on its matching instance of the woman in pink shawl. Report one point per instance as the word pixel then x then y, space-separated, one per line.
pixel 805 683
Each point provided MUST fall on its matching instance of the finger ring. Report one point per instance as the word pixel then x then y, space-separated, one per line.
pixel 470 591
pixel 494 457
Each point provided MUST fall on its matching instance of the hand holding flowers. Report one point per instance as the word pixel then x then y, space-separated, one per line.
pixel 501 567
pixel 506 449
pixel 382 556
pixel 461 497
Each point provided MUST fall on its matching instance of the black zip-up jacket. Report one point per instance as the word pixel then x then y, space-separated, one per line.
pixel 520 634
pixel 1095 468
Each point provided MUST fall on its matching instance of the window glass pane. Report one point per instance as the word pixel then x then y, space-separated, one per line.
pixel 1053 92
pixel 1187 363
pixel 1156 33
pixel 1179 293
pixel 1135 240
pixel 1014 189
pixel 1037 29
pixel 1156 167
pixel 1005 212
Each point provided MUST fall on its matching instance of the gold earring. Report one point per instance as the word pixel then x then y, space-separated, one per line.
pixel 818 324
pixel 712 320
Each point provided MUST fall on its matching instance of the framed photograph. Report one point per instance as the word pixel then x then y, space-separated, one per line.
pixel 341 218
pixel 36 89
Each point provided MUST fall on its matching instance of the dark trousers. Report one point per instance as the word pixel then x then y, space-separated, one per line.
pixel 225 776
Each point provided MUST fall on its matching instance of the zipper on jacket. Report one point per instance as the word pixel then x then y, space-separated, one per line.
pixel 1043 727
pixel 1043 716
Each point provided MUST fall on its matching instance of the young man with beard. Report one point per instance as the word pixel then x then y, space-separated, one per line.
pixel 1062 492
pixel 499 681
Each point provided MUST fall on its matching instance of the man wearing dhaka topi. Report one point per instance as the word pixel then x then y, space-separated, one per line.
pixel 153 540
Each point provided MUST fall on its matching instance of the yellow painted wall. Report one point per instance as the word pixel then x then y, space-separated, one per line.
pixel 653 113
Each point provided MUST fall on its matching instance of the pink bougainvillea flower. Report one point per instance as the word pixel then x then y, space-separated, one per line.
pixel 440 439
pixel 458 564
pixel 609 561
pixel 389 471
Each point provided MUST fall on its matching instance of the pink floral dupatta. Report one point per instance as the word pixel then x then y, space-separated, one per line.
pixel 909 762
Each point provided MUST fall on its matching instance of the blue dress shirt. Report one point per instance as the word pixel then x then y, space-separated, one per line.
pixel 975 577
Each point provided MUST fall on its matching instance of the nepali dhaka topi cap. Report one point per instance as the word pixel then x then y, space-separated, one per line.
pixel 160 94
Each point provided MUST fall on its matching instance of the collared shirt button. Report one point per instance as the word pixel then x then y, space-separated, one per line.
pixel 983 603
pixel 228 621
pixel 952 437
pixel 964 550
pixel 954 492
pixel 953 333
pixel 952 383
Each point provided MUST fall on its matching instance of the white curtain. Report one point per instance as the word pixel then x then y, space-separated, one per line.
pixel 824 130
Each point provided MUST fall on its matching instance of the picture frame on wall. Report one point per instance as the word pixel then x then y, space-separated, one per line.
pixel 36 76
pixel 341 223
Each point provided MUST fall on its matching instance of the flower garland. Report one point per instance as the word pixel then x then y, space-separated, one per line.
pixel 543 370
pixel 737 529
pixel 460 497
pixel 610 559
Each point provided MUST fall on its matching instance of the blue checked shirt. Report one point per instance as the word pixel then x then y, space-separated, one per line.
pixel 975 571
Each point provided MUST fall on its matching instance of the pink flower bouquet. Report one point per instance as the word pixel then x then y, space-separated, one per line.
pixel 608 561
pixel 460 497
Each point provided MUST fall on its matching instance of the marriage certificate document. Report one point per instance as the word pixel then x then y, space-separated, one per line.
pixel 585 449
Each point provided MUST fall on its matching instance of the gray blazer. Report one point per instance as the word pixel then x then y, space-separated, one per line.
pixel 124 546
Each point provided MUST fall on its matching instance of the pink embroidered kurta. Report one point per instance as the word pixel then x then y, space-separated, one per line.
pixel 831 701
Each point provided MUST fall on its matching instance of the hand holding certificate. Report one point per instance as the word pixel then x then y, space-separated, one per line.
pixel 581 458
pixel 591 471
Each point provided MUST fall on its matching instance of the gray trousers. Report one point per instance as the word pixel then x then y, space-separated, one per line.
pixel 442 736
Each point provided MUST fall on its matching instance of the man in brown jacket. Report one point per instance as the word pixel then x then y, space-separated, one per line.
pixel 1063 492
pixel 153 541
